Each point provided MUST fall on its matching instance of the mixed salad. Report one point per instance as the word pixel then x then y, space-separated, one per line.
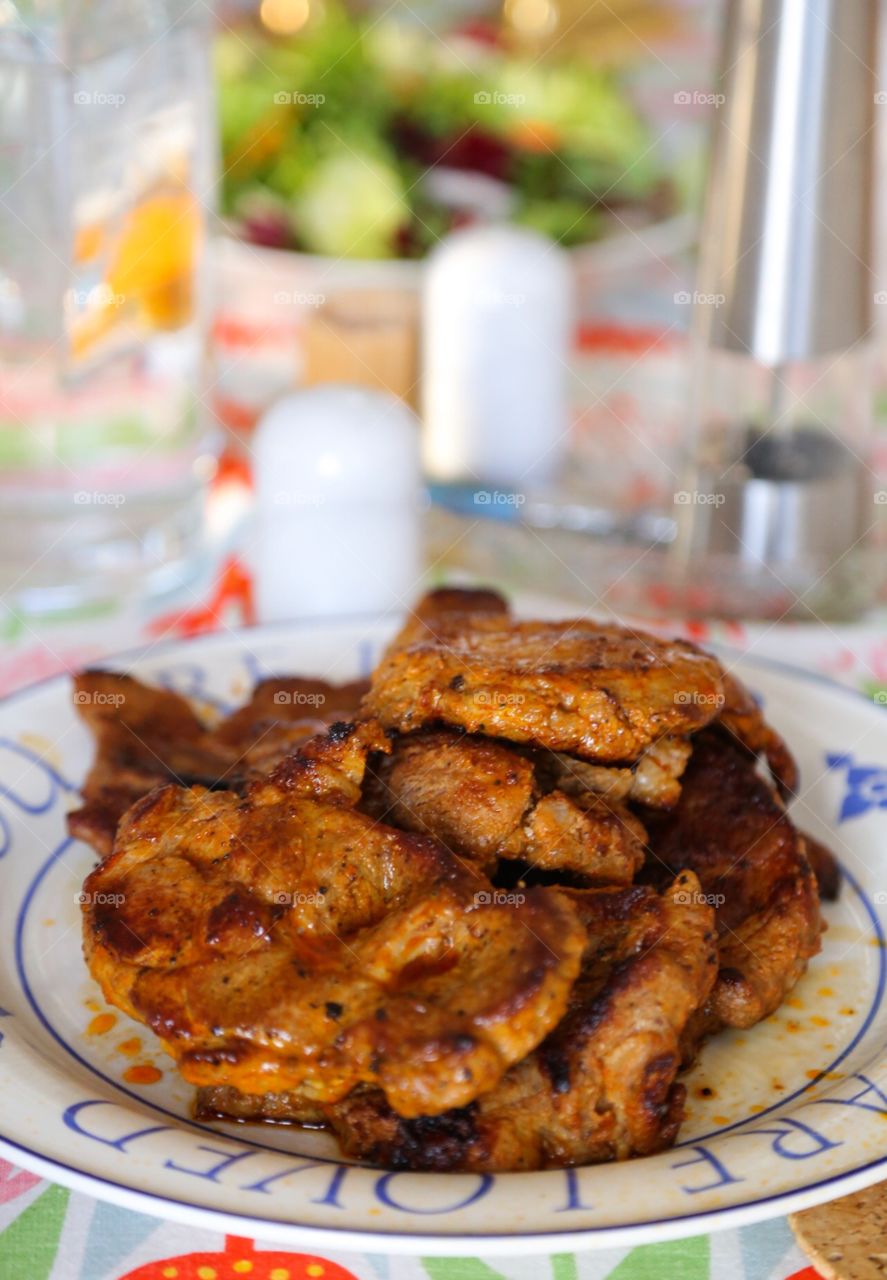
pixel 371 139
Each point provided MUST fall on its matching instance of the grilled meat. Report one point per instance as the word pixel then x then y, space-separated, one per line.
pixel 598 692
pixel 283 941
pixel 282 713
pixel 447 606
pixel 599 1087
pixel 731 829
pixel 481 799
pixel 310 926
pixel 657 775
pixel 654 780
pixel 594 838
pixel 826 868
pixel 742 719
pixel 143 737
pixel 224 1102
pixel 147 736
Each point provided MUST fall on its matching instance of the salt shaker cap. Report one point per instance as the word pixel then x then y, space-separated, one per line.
pixel 498 253
pixel 339 444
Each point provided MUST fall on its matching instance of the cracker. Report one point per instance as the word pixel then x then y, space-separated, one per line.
pixel 846 1239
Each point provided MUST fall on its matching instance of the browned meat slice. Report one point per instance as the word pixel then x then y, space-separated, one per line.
pixel 654 780
pixel 282 713
pixel 657 775
pixel 826 868
pixel 282 941
pixel 144 736
pixel 446 606
pixel 481 798
pixel 602 1085
pixel 147 736
pixel 598 692
pixel 471 793
pixel 731 829
pixel 577 777
pixel 224 1102
pixel 763 958
pixel 742 718
pixel 590 836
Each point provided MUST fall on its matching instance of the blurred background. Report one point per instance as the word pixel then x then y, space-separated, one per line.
pixel 306 303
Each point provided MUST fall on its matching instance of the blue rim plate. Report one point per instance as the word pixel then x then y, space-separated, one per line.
pixel 782 1117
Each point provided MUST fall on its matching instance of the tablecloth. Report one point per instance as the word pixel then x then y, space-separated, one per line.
pixel 48 1233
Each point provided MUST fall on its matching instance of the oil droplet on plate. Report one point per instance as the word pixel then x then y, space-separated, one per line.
pixel 101 1024
pixel 142 1073
pixel 129 1048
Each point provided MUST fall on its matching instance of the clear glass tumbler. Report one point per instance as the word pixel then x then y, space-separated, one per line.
pixel 106 168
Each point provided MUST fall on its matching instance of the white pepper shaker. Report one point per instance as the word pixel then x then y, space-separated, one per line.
pixel 338 500
pixel 496 332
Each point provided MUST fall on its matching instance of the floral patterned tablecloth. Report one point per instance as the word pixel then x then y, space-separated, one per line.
pixel 49 1233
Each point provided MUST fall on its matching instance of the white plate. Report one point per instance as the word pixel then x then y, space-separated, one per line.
pixel 789 1114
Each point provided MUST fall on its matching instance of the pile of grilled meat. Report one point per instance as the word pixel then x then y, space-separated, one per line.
pixel 475 914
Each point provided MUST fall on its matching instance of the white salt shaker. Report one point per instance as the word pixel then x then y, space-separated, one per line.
pixel 338 499
pixel 496 332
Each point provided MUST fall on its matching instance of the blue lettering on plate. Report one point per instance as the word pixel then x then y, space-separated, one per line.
pixel 212 1174
pixel 574 1192
pixel 221 1158
pixel 4 1013
pixel 383 1191
pixel 787 1131
pixel 9 790
pixel 707 1158
pixel 330 1198
pixel 71 1118
pixel 878 1105
pixel 866 786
